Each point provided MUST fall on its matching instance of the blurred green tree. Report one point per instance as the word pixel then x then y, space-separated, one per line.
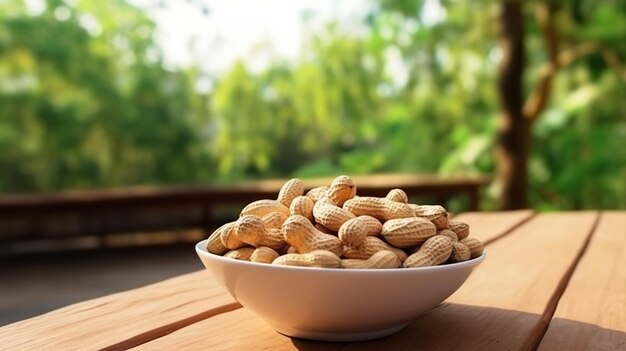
pixel 85 100
pixel 554 21
pixel 433 106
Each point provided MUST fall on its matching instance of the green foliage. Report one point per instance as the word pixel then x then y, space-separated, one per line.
pixel 85 102
pixel 578 159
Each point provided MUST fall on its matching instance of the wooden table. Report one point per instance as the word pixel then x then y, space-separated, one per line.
pixel 553 281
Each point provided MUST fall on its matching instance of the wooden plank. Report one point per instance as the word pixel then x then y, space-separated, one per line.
pixel 122 319
pixel 591 314
pixel 489 226
pixel 488 307
pixel 235 330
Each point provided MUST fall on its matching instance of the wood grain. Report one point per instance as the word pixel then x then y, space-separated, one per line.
pixel 236 330
pixel 122 319
pixel 591 314
pixel 489 226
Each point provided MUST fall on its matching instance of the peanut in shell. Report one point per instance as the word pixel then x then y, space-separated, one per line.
pixel 408 232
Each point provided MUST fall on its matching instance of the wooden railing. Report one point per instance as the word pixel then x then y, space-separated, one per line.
pixel 141 209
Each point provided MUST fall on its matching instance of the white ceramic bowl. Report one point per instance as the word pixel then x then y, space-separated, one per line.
pixel 336 304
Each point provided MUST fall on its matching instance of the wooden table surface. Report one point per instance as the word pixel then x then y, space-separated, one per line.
pixel 553 281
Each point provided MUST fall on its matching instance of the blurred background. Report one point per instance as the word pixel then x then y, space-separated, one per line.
pixel 161 93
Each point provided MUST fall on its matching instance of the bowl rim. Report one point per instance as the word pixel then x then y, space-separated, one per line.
pixel 202 251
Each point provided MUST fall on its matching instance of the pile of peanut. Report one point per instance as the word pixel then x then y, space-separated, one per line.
pixel 331 227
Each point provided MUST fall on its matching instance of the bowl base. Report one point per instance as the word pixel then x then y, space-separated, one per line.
pixel 339 337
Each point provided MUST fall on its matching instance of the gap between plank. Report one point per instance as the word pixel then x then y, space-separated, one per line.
pixel 169 328
pixel 538 333
pixel 511 229
pixel 506 231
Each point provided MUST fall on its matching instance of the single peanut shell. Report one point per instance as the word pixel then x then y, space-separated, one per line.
pixel 264 254
pixel 476 246
pixel 434 213
pixel 460 252
pixel 229 237
pixel 331 217
pixel 407 232
pixel 300 233
pixel 289 191
pixel 379 208
pixel 397 195
pixel 252 231
pixel 370 246
pixel 317 193
pixel 341 189
pixel 461 229
pixel 303 206
pixel 316 258
pixel 243 253
pixel 381 259
pixel 436 250
pixel 353 232
pixel 260 208
pixel 214 243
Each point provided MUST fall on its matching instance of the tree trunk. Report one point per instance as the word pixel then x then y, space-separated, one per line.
pixel 514 129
